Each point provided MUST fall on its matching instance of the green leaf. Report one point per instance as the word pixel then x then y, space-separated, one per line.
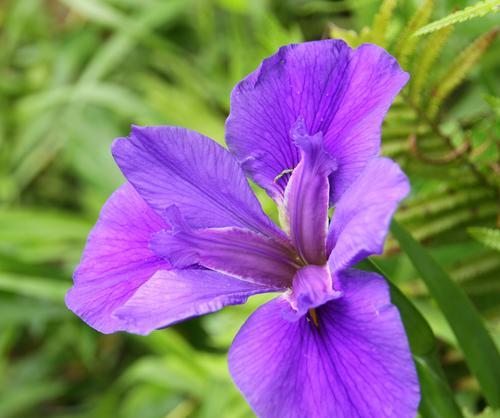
pixel 407 43
pixel 487 236
pixel 381 22
pixel 422 67
pixel 114 51
pixel 437 397
pixel 477 345
pixel 458 70
pixel 20 398
pixel 488 413
pixel 479 9
pixel 97 11
pixel 38 287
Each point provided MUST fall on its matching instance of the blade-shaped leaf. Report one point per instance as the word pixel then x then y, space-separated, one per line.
pixel 477 345
pixel 437 397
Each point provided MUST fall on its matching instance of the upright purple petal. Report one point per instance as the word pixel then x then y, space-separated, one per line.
pixel 116 261
pixel 175 166
pixel 307 196
pixel 362 216
pixel 340 92
pixel 175 295
pixel 235 251
pixel 355 363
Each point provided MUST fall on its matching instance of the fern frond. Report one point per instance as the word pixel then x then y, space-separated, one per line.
pixel 348 35
pixel 441 203
pixel 407 43
pixel 458 70
pixel 446 222
pixel 453 220
pixel 490 237
pixel 381 22
pixel 392 148
pixel 401 130
pixel 422 66
pixel 494 103
pixel 479 9
pixel 476 267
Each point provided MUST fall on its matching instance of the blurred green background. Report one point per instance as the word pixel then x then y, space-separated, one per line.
pixel 75 74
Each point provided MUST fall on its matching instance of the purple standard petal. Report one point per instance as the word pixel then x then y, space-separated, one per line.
pixel 235 251
pixel 355 363
pixel 340 92
pixel 116 261
pixel 362 216
pixel 312 287
pixel 175 166
pixel 307 196
pixel 174 295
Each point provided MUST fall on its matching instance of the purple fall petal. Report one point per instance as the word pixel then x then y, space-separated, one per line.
pixel 234 251
pixel 355 364
pixel 307 196
pixel 340 92
pixel 312 287
pixel 362 216
pixel 116 261
pixel 175 295
pixel 175 166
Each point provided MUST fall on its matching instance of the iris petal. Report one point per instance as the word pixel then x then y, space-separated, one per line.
pixel 175 295
pixel 307 196
pixel 175 166
pixel 342 92
pixel 361 218
pixel 116 261
pixel 355 363
pixel 239 252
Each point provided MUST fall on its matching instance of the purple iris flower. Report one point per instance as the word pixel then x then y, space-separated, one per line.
pixel 186 236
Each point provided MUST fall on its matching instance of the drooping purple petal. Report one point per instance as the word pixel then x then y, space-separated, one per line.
pixel 175 166
pixel 235 251
pixel 340 92
pixel 175 295
pixel 307 196
pixel 116 261
pixel 362 216
pixel 355 363
pixel 312 287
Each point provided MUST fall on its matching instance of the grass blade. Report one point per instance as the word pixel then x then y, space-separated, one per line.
pixel 477 345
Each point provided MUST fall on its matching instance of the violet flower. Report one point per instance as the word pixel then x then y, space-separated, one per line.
pixel 186 236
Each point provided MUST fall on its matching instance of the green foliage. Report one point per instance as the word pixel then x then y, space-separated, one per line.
pixel 457 71
pixel 479 9
pixel 75 74
pixel 406 44
pixel 487 236
pixel 381 22
pixel 429 54
pixel 479 349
